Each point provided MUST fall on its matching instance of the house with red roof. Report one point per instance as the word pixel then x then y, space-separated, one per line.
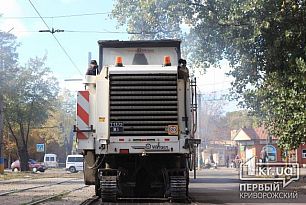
pixel 251 141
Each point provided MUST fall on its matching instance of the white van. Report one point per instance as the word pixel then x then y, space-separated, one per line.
pixel 50 160
pixel 74 163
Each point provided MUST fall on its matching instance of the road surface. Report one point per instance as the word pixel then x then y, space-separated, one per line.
pixel 212 186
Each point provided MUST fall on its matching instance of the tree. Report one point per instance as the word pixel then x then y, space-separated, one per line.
pixel 58 129
pixel 55 131
pixel 31 96
pixel 8 60
pixel 153 19
pixel 239 119
pixel 211 124
pixel 150 19
pixel 264 41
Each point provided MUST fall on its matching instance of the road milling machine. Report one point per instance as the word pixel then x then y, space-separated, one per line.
pixel 136 121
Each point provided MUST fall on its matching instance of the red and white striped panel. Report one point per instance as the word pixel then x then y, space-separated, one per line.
pixel 83 114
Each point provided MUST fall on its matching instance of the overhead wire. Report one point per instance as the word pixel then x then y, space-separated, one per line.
pixel 89 31
pixel 72 31
pixel 60 16
pixel 79 31
pixel 58 42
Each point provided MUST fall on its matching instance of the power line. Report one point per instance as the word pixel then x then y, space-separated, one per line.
pixel 60 45
pixel 60 16
pixel 96 31
pixel 86 31
pixel 74 31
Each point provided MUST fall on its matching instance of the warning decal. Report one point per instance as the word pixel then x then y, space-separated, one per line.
pixel 172 129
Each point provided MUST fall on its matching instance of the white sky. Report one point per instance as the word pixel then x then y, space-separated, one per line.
pixel 77 45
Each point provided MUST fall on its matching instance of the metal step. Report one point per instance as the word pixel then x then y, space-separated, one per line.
pixel 178 188
pixel 108 190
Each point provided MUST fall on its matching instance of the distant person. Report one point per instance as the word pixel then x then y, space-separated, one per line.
pixel 237 161
pixel 263 155
pixel 227 161
pixel 93 68
pixel 211 159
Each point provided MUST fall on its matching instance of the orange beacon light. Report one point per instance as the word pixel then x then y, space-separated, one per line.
pixel 167 61
pixel 118 62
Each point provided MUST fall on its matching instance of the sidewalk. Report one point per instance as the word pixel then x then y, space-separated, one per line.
pixel 301 183
pixel 233 173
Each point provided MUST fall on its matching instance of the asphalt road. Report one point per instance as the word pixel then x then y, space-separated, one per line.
pixel 221 186
pixel 212 186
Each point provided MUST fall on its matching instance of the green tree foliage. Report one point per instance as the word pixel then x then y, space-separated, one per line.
pixel 8 58
pixel 239 119
pixel 264 42
pixel 31 95
pixel 150 19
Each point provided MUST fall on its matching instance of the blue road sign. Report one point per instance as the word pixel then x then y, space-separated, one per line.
pixel 40 147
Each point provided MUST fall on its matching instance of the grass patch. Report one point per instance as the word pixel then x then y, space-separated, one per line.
pixel 41 175
pixel 16 175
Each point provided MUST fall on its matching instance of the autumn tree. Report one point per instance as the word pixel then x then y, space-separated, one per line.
pixel 57 131
pixel 67 120
pixel 8 60
pixel 31 95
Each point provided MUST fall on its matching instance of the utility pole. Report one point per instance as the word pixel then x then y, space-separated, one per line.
pixel 199 120
pixel 89 57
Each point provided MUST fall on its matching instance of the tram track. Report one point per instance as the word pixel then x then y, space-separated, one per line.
pixel 90 201
pixel 28 179
pixel 33 187
pixel 95 200
pixel 54 196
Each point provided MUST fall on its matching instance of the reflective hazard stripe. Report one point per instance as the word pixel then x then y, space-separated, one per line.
pixel 82 114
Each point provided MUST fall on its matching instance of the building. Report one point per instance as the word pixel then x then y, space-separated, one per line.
pixel 221 151
pixel 251 141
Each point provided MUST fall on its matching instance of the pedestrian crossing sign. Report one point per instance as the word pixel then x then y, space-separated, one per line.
pixel 40 147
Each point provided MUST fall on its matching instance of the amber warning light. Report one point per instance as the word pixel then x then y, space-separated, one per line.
pixel 167 61
pixel 118 62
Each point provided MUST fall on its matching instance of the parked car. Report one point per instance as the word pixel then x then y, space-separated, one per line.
pixel 74 163
pixel 50 160
pixel 33 166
